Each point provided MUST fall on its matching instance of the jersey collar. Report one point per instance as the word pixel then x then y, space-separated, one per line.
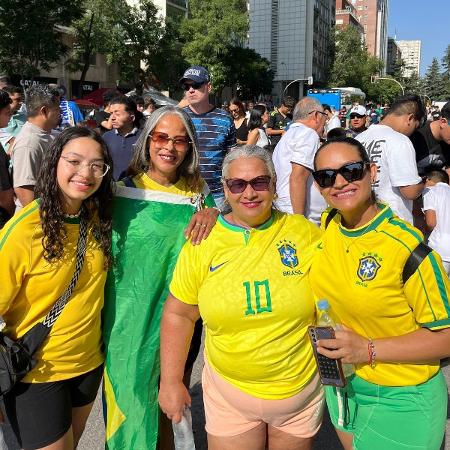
pixel 238 228
pixel 385 213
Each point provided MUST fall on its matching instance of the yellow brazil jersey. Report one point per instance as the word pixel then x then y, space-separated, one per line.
pixel 181 187
pixel 30 286
pixel 360 272
pixel 255 300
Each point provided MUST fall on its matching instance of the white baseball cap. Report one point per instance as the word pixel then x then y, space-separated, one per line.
pixel 360 110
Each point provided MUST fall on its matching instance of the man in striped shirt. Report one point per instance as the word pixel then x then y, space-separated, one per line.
pixel 215 128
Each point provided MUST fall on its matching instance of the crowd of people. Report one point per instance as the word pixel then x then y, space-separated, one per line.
pixel 237 221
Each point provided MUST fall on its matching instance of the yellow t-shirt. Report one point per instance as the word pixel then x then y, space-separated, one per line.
pixel 359 271
pixel 255 300
pixel 30 286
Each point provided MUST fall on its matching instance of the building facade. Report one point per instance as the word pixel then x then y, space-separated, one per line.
pixel 373 16
pixel 295 36
pixel 346 14
pixel 394 56
pixel 411 54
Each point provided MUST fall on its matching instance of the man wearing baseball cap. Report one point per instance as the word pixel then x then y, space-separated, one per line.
pixel 215 128
pixel 358 116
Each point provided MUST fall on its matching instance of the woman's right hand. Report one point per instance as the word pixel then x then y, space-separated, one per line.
pixel 173 399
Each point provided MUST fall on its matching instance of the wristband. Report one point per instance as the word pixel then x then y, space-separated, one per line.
pixel 372 353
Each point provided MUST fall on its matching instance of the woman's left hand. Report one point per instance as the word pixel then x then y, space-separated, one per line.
pixel 348 346
pixel 201 224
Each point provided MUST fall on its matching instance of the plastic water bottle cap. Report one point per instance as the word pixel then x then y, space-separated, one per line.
pixel 323 305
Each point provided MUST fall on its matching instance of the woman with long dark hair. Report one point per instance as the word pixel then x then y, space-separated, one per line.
pixel 237 111
pixel 259 116
pixel 38 259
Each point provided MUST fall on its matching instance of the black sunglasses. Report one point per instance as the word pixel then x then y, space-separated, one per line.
pixel 356 116
pixel 238 186
pixel 187 86
pixel 351 172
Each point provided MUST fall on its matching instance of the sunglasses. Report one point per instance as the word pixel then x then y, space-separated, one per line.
pixel 180 143
pixel 351 172
pixel 356 116
pixel 238 186
pixel 194 85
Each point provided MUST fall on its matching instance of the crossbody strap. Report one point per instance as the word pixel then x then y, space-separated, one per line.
pixel 58 307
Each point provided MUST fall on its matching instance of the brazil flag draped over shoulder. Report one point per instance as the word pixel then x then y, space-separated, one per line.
pixel 147 237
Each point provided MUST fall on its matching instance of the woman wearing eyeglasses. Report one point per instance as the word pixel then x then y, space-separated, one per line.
pixel 394 306
pixel 237 111
pixel 248 282
pixel 49 407
pixel 154 213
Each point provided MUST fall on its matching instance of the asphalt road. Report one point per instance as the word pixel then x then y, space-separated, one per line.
pixel 93 437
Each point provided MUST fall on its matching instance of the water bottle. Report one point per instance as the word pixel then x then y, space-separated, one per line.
pixel 182 432
pixel 325 320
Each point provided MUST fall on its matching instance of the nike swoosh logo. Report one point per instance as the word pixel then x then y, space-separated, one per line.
pixel 213 268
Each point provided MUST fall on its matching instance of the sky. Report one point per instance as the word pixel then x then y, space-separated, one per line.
pixel 423 20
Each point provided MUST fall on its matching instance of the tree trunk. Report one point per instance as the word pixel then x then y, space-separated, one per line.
pixel 86 57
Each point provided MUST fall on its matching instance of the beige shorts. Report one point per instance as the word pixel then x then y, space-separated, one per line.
pixel 230 411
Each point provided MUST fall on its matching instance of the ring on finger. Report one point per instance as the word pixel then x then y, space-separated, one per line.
pixel 204 225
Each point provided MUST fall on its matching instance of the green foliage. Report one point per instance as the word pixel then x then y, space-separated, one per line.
pixel 248 70
pixel 213 28
pixel 352 64
pixel 433 81
pixel 125 34
pixel 29 35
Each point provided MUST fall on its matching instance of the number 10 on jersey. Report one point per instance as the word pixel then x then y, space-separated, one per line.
pixel 258 298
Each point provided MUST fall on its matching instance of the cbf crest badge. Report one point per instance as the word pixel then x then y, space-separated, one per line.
pixel 288 253
pixel 368 268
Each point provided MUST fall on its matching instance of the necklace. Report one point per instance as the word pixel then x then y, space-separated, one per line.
pixel 73 216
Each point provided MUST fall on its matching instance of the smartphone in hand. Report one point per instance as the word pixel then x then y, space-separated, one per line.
pixel 330 370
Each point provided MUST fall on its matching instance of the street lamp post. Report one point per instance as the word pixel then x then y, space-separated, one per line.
pixel 310 81
pixel 375 78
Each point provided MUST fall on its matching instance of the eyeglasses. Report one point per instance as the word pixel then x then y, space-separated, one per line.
pixel 99 169
pixel 234 110
pixel 180 143
pixel 320 112
pixel 238 186
pixel 351 172
pixel 194 85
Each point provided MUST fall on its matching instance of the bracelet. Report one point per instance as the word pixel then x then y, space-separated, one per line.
pixel 372 353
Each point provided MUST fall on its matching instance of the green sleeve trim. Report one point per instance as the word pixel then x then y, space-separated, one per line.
pixel 438 323
pixel 404 227
pixel 15 222
pixel 440 282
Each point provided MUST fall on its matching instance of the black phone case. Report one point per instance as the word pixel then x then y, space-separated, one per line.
pixel 330 370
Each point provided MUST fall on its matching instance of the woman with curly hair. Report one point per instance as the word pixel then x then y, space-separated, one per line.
pixel 49 407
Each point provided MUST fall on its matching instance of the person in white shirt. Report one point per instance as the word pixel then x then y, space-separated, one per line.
pixel 398 182
pixel 436 206
pixel 333 120
pixel 293 158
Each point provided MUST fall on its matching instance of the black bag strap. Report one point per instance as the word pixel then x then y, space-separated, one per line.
pixel 128 182
pixel 330 216
pixel 414 260
pixel 34 337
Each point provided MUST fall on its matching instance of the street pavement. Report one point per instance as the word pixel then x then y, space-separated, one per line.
pixel 93 437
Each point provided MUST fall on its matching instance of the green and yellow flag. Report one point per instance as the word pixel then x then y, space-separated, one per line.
pixel 147 237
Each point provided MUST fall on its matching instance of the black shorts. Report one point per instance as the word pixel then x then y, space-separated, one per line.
pixel 41 413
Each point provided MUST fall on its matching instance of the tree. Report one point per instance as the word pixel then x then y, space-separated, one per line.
pixel 212 29
pixel 30 34
pixel 446 73
pixel 129 35
pixel 433 81
pixel 249 71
